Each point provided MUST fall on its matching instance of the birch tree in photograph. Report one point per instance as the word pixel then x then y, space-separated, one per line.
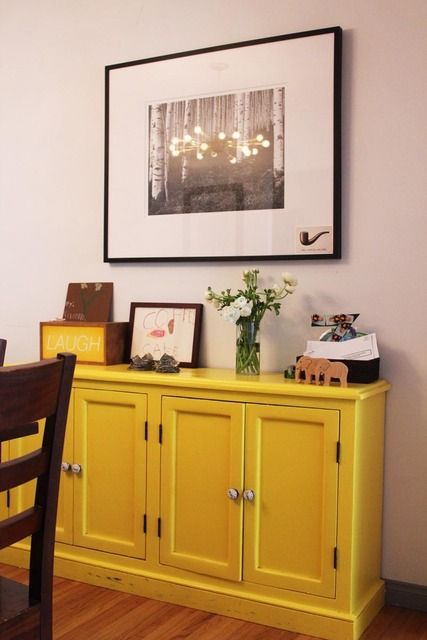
pixel 158 154
pixel 246 128
pixel 216 116
pixel 167 138
pixel 278 133
pixel 186 132
pixel 151 152
pixel 239 116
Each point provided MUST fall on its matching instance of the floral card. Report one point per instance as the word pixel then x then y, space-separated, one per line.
pixel 88 301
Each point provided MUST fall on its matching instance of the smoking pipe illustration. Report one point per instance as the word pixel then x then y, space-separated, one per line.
pixel 306 240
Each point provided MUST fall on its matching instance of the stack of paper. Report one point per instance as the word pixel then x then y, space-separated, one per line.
pixel 363 348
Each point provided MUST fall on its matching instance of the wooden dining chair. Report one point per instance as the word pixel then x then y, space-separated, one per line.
pixel 3 343
pixel 28 394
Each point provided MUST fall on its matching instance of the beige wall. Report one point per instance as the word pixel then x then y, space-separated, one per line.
pixel 52 58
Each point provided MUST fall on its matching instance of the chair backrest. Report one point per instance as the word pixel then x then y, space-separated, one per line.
pixel 29 394
pixel 3 343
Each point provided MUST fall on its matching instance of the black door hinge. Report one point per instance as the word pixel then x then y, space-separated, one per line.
pixel 338 451
pixel 159 527
pixel 144 523
pixel 335 557
pixel 160 433
pixel 146 430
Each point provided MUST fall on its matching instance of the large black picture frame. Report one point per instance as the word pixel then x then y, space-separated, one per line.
pixel 180 185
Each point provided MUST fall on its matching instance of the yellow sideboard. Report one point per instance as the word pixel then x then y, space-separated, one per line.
pixel 257 498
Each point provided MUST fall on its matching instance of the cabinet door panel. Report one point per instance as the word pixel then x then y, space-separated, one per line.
pixel 64 518
pixel 22 497
pixel 290 526
pixel 110 490
pixel 201 458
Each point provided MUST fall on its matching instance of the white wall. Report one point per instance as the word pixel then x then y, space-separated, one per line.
pixel 52 58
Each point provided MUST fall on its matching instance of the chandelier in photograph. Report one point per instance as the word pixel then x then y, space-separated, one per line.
pixel 233 146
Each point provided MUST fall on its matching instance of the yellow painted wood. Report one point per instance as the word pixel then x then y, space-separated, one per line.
pixel 87 342
pixel 226 380
pixel 366 533
pixel 23 496
pixel 201 458
pixel 110 490
pixel 290 526
pixel 266 560
pixel 65 514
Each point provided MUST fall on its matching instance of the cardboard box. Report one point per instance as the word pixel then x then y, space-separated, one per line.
pixel 92 342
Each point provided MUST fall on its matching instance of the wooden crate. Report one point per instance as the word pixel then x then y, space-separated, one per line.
pixel 92 342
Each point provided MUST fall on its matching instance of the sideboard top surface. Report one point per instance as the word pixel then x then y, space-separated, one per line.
pixel 226 380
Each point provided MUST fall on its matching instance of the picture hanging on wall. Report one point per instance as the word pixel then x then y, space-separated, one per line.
pixel 226 153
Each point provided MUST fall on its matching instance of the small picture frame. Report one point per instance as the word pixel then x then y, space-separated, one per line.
pixel 166 327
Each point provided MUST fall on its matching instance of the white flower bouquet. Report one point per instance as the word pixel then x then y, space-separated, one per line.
pixel 246 309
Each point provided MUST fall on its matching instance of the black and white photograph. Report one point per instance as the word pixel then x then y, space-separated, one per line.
pixel 219 153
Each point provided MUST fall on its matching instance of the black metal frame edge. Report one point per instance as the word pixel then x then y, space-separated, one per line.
pixel 337 186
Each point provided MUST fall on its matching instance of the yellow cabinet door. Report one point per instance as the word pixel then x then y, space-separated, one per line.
pixel 110 487
pixel 201 459
pixel 65 513
pixel 291 514
pixel 23 496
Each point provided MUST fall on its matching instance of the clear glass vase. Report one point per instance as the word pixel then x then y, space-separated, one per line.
pixel 248 348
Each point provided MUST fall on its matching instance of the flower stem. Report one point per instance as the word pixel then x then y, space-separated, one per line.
pixel 247 348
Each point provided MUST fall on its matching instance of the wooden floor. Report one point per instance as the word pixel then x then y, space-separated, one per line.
pixel 92 613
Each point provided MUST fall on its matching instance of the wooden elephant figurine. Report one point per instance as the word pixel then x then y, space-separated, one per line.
pixel 302 366
pixel 321 369
pixel 316 369
pixel 337 370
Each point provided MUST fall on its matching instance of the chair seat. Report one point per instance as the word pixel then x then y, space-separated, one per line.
pixel 14 604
